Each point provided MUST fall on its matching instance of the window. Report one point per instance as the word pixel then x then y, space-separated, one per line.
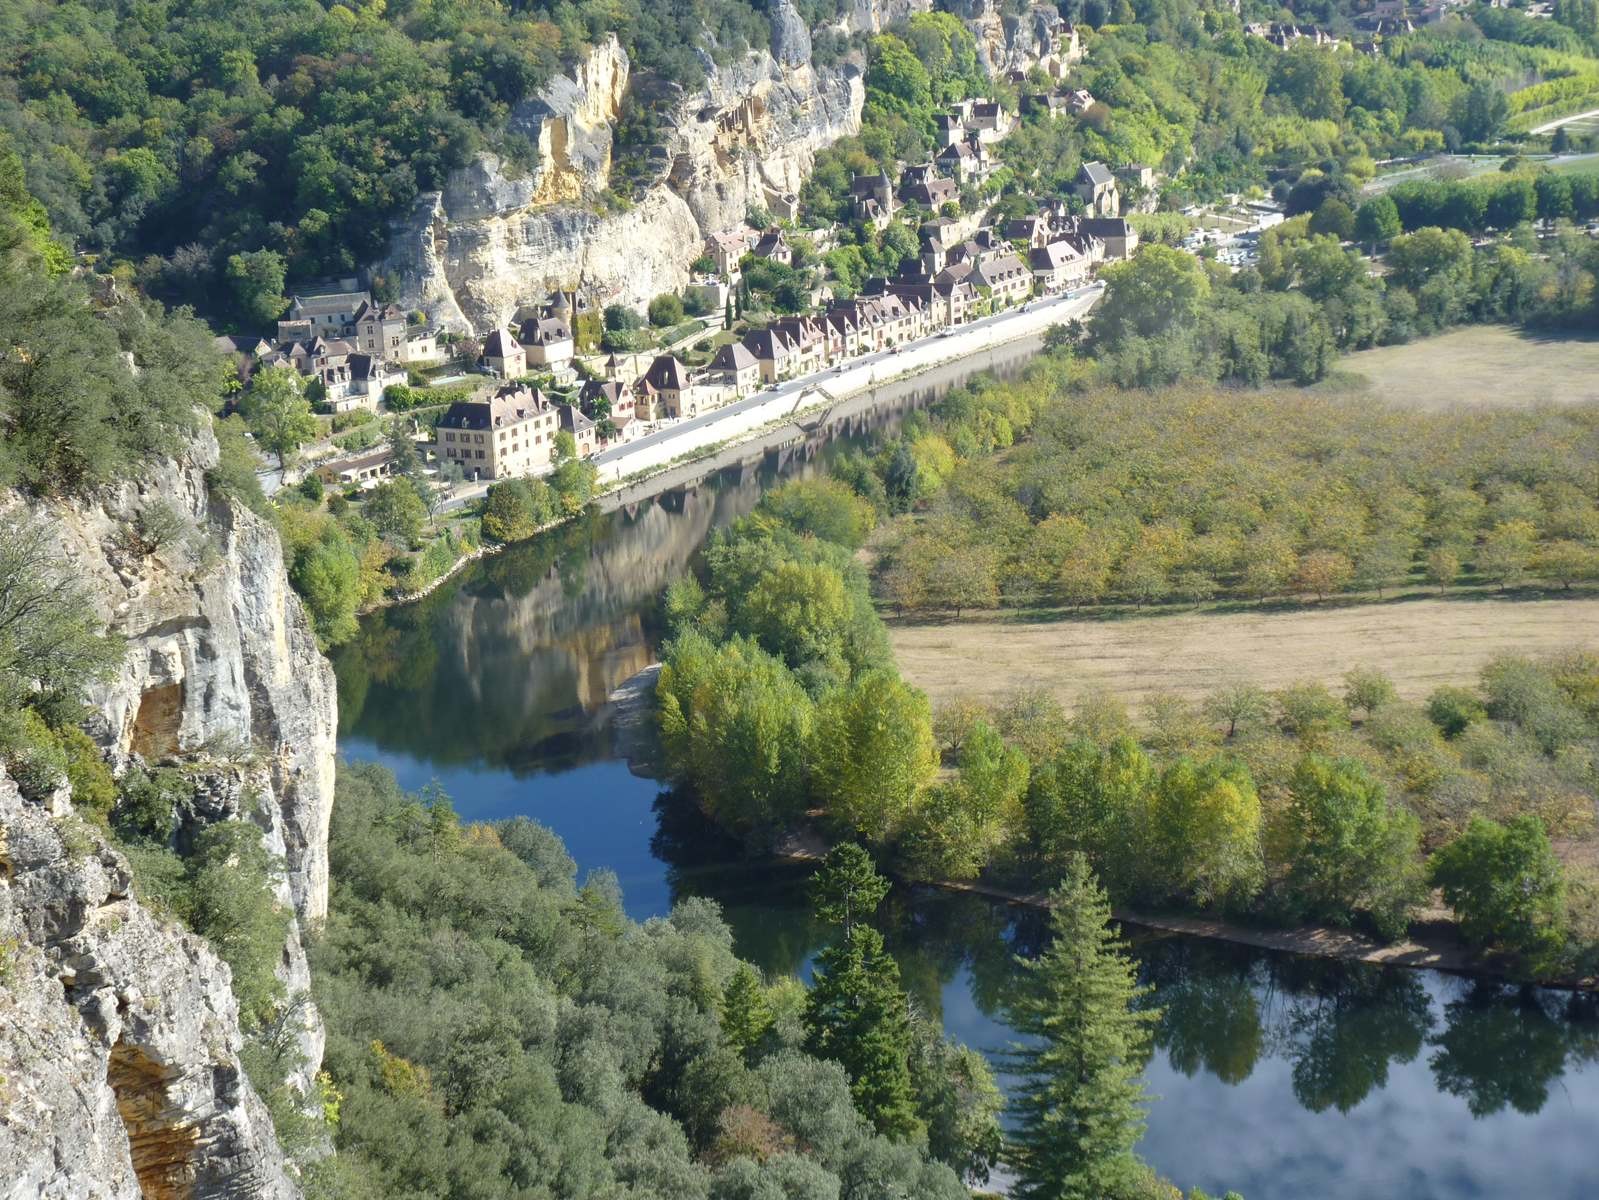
pixel 480 454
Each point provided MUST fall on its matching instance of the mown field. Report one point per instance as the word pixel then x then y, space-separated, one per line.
pixel 1420 644
pixel 1484 366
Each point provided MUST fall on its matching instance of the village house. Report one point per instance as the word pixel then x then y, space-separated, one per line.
pixel 1031 232
pixel 1006 277
pixel 728 247
pixel 421 346
pixel 872 199
pixel 369 376
pixel 321 315
pixel 933 194
pixel 985 120
pixel 503 355
pixel 948 129
pixel 1096 185
pixel 585 439
pixel 807 337
pixel 1058 267
pixel 546 342
pixel 774 247
pixel 1047 104
pixel 772 352
pixel 364 471
pixel 670 389
pixel 1080 101
pixel 351 316
pixel 1117 233
pixel 738 368
pixel 612 400
pixel 967 162
pixel 510 433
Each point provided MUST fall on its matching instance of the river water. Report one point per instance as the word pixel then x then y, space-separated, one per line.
pixel 1279 1076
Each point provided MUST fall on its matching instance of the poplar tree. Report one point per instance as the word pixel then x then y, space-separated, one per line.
pixel 1080 1103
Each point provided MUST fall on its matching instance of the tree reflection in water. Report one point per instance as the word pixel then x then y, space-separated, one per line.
pixel 1502 1046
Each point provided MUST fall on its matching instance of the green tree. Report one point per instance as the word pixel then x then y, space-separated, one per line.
pixel 827 508
pixel 1348 851
pixel 1367 689
pixel 847 888
pixel 1079 1101
pixel 1506 886
pixel 1506 551
pixel 1240 706
pixel 857 1015
pixel 257 278
pixel 574 479
pixel 736 723
pixel 327 576
pixel 1161 289
pixel 396 510
pixel 278 413
pixel 1377 221
pixel 231 904
pixel 1204 832
pixel 958 1100
pixel 746 1014
pixel 1333 217
pixel 53 643
pixel 666 310
pixel 800 612
pixel 873 754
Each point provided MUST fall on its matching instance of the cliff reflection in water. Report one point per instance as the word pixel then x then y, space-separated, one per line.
pixel 510 664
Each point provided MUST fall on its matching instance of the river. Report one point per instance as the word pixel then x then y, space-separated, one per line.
pixel 1275 1075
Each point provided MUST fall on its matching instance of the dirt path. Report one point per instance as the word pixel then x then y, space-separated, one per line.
pixel 1420 644
pixel 1434 943
pixel 1551 126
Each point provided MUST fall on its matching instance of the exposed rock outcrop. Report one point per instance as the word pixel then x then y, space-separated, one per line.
pixel 490 241
pixel 119 1036
pixel 223 675
pixel 1009 40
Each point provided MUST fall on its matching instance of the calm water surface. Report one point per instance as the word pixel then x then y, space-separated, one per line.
pixel 1278 1076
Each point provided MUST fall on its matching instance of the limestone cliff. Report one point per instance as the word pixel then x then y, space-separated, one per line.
pixel 223 676
pixel 119 1037
pixel 1008 40
pixel 470 254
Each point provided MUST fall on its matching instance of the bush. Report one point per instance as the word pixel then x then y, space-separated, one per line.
pixel 1452 709
pixel 148 805
pixel 311 488
pixel 38 761
pixel 666 310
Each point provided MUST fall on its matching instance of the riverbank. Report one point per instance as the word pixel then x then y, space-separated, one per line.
pixel 689 466
pixel 1434 942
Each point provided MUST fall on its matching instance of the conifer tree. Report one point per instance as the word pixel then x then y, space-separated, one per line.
pixel 857 1015
pixel 1079 1104
pixel 856 1012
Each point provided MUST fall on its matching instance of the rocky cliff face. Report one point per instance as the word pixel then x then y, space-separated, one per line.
pixel 470 254
pixel 222 675
pixel 1009 40
pixel 493 240
pixel 119 1037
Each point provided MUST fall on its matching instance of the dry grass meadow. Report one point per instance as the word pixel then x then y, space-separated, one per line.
pixel 1481 366
pixel 1420 644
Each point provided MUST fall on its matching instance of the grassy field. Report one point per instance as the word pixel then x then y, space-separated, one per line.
pixel 1420 644
pixel 1482 366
